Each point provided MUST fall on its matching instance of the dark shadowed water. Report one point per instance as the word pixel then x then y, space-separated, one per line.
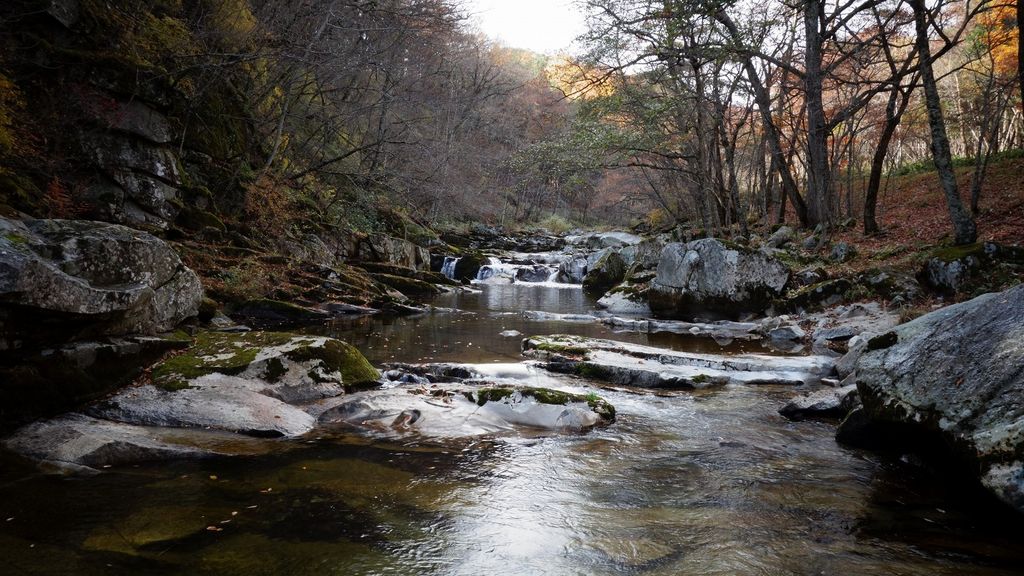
pixel 684 483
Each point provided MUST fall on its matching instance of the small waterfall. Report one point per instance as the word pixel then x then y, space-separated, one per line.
pixel 448 268
pixel 493 266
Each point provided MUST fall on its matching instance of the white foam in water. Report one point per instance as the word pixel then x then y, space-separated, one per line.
pixel 497 272
pixel 448 268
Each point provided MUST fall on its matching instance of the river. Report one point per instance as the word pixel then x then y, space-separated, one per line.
pixel 711 482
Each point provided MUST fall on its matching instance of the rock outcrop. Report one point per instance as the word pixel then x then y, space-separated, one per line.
pixel 648 367
pixel 956 374
pixel 446 411
pixel 707 279
pixel 608 271
pixel 66 279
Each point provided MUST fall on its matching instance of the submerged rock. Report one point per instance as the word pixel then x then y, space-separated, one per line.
pixel 254 384
pixel 648 367
pixel 825 403
pixel 956 374
pixel 76 443
pixel 451 412
pixel 63 280
pixel 706 279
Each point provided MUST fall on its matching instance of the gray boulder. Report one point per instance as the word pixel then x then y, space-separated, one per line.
pixel 843 252
pixel 956 374
pixel 573 269
pixel 88 277
pixel 825 403
pixel 391 250
pixel 605 273
pixel 784 235
pixel 707 279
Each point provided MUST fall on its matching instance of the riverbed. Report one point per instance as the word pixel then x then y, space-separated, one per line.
pixel 709 482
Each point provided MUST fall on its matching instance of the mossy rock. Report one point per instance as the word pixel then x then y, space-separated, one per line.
pixel 954 253
pixel 608 271
pixel 214 352
pixel 254 353
pixel 469 265
pixel 546 396
pixel 407 286
pixel 208 308
pixel 337 356
pixel 820 294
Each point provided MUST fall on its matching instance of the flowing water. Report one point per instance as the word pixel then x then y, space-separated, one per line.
pixel 683 483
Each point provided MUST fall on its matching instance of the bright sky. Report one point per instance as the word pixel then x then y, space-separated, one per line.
pixel 539 25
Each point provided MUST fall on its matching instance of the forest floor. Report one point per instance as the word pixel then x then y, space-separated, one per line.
pixel 915 221
pixel 913 215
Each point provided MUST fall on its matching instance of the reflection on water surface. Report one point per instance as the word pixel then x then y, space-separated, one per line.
pixel 713 482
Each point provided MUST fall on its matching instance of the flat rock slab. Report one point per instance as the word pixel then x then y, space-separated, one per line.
pixel 441 411
pixel 77 442
pixel 648 367
pixel 212 401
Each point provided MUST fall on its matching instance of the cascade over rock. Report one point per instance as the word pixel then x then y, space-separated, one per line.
pixel 707 279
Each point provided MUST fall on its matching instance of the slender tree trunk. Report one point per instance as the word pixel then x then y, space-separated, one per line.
pixel 1020 50
pixel 764 105
pixel 892 121
pixel 818 180
pixel 963 224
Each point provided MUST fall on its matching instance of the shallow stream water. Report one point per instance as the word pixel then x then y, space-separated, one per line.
pixel 714 482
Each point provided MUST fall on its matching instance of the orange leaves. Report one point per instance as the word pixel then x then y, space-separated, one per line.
pixel 999 34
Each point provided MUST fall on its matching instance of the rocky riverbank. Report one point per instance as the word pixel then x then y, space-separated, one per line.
pixel 107 335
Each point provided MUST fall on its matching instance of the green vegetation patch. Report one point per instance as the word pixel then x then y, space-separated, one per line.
pixel 548 396
pixel 564 349
pixel 341 357
pixel 214 352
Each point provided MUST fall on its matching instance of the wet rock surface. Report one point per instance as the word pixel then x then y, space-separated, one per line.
pixel 955 374
pixel 448 411
pixel 648 367
pixel 707 279
pixel 62 280
pixel 824 403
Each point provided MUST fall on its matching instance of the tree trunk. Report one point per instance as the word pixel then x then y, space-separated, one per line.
pixel 1020 50
pixel 764 105
pixel 963 224
pixel 818 181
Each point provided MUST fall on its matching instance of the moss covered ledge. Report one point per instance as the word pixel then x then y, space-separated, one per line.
pixel 272 357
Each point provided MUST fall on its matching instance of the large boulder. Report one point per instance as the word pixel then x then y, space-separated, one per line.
pixel 608 271
pixel 257 384
pixel 391 250
pixel 955 375
pixel 707 279
pixel 64 279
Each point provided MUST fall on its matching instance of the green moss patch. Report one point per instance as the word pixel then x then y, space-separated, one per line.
pixel 547 396
pixel 341 357
pixel 214 352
